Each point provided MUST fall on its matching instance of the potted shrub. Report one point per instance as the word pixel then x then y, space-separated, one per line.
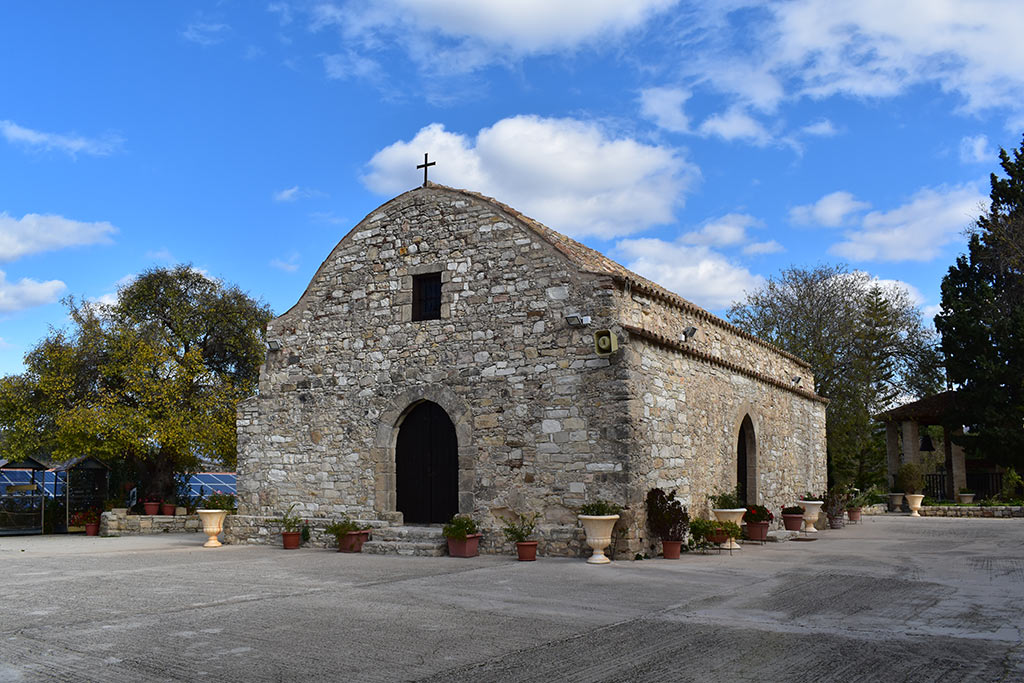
pixel 811 506
pixel 707 532
pixel 965 495
pixel 728 508
pixel 910 478
pixel 291 528
pixel 598 519
pixel 792 517
pixel 90 519
pixel 167 508
pixel 668 520
pixel 757 518
pixel 463 539
pixel 518 531
pixel 349 534
pixel 215 508
pixel 855 505
pixel 836 499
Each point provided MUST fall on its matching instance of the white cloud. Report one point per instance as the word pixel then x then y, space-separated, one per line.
pixel 735 124
pixel 283 10
pixel 695 272
pixel 288 265
pixel 352 65
pixel 728 230
pixel 34 233
pixel 27 293
pixel 831 211
pixel 566 173
pixel 917 230
pixel 822 128
pixel 71 145
pixel 4 345
pixel 975 150
pixel 664 106
pixel 295 193
pixel 203 33
pixel 757 248
pixel 163 254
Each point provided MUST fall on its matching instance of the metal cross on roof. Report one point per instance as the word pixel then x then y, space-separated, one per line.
pixel 424 166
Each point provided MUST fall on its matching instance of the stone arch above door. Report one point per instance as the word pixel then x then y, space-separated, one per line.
pixel 383 452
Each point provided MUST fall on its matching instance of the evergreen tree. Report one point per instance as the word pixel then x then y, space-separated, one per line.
pixel 982 322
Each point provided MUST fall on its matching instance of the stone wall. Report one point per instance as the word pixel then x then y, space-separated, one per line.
pixel 972 511
pixel 118 522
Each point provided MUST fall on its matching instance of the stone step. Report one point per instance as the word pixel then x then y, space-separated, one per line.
pixel 422 541
pixel 405 548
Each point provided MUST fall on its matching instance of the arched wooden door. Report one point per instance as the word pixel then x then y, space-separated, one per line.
pixel 427 466
pixel 746 462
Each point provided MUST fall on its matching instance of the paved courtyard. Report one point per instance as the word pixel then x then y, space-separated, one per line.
pixel 893 599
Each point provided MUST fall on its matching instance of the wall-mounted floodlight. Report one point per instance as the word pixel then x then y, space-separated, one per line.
pixel 577 320
pixel 274 345
pixel 796 380
pixel 688 334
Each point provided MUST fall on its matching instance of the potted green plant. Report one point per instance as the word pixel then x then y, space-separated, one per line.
pixel 668 520
pixel 792 517
pixel 707 532
pixel 462 535
pixel 90 519
pixel 167 508
pixel 757 519
pixel 151 506
pixel 910 478
pixel 598 519
pixel 349 534
pixel 291 528
pixel 728 507
pixel 518 531
pixel 965 495
pixel 216 507
pixel 855 506
pixel 836 499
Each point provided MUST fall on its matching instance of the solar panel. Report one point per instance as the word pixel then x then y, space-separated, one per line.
pixel 203 483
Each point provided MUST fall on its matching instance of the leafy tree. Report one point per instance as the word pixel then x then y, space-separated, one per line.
pixel 866 345
pixel 982 322
pixel 151 381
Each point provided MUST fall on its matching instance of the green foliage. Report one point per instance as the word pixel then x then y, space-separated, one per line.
pixel 729 500
pixel 867 346
pixel 982 323
pixel 837 499
pixel 666 516
pixel 758 513
pixel 600 508
pixel 152 381
pixel 792 510
pixel 701 529
pixel 520 529
pixel 344 526
pixel 288 521
pixel 910 478
pixel 859 499
pixel 459 527
pixel 220 501
pixel 1011 482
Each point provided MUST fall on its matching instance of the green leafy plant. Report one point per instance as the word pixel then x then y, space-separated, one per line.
pixel 792 510
pixel 702 529
pixel 835 502
pixel 344 526
pixel 666 516
pixel 289 522
pixel 1011 482
pixel 218 500
pixel 910 477
pixel 964 489
pixel 859 499
pixel 600 508
pixel 732 529
pixel 459 527
pixel 758 513
pixel 519 530
pixel 729 500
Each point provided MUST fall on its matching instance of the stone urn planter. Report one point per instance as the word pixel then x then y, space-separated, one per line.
pixel 599 535
pixel 734 515
pixel 965 497
pixel 812 508
pixel 914 501
pixel 213 524
pixel 793 522
pixel 895 501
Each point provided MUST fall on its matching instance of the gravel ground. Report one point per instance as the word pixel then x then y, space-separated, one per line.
pixel 893 599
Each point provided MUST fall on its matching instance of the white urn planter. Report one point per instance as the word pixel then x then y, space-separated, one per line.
pixel 895 501
pixel 812 508
pixel 914 501
pixel 213 524
pixel 965 497
pixel 599 535
pixel 734 515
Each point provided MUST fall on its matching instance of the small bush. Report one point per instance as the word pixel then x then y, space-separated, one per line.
pixel 910 477
pixel 459 527
pixel 666 516
pixel 600 508
pixel 519 530
pixel 730 500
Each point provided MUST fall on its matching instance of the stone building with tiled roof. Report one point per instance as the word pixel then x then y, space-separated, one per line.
pixel 443 360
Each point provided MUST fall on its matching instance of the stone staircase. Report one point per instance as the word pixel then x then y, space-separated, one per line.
pixel 423 541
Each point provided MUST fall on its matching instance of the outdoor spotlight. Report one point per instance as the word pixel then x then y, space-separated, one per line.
pixel 577 320
pixel 689 333
pixel 274 345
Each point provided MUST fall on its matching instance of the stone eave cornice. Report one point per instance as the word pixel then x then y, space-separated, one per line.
pixel 693 309
pixel 665 342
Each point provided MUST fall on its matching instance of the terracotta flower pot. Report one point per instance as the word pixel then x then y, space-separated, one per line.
pixel 352 542
pixel 92 529
pixel 854 514
pixel 793 522
pixel 527 551
pixel 670 549
pixel 466 548
pixel 291 539
pixel 757 531
pixel 598 529
pixel 213 524
pixel 167 509
pixel 151 508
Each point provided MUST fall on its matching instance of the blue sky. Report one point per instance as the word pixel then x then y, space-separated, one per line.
pixel 704 148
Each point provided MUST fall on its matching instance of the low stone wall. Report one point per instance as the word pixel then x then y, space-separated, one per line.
pixel 972 511
pixel 118 522
pixel 878 509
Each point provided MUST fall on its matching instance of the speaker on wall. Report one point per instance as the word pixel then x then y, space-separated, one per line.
pixel 605 342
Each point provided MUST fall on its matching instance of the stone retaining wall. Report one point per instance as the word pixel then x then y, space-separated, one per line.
pixel 972 511
pixel 118 522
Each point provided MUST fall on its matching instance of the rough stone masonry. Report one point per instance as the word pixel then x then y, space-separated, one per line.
pixel 542 423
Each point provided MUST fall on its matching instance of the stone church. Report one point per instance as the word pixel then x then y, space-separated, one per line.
pixel 443 360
